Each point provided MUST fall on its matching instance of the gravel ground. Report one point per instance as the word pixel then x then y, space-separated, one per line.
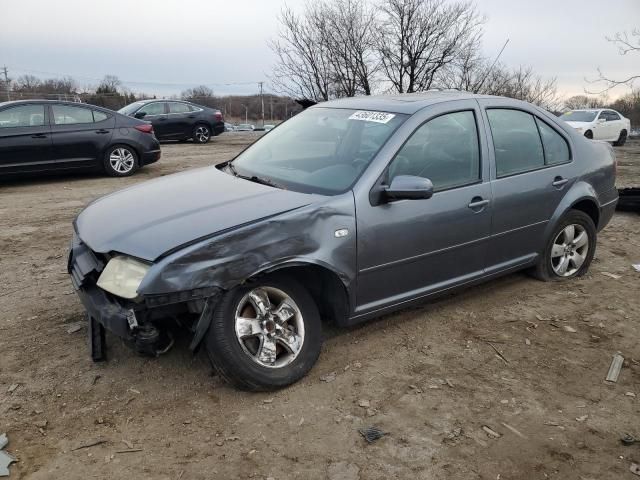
pixel 428 376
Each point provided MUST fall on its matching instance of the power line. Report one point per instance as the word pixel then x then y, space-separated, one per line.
pixel 136 82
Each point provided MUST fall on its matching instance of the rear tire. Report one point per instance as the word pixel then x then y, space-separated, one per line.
pixel 622 139
pixel 201 133
pixel 120 161
pixel 571 245
pixel 265 335
pixel 589 134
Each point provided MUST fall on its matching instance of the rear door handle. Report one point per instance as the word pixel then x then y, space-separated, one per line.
pixel 477 203
pixel 559 181
pixel 39 135
pixel 102 131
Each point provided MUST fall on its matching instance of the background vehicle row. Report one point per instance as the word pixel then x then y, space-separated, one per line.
pixel 45 135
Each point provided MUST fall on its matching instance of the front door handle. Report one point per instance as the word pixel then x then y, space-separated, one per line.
pixel 102 131
pixel 39 135
pixel 477 203
pixel 559 182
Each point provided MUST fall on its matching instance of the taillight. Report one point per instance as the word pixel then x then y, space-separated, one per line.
pixel 144 128
pixel 218 116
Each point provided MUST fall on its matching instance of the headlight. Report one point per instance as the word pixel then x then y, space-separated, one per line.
pixel 122 276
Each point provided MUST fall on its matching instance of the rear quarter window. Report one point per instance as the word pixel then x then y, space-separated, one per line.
pixel 556 149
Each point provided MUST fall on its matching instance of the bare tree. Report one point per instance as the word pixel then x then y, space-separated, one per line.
pixel 27 84
pixel 419 38
pixel 303 67
pixel 109 85
pixel 201 94
pixel 348 37
pixel 626 44
pixel 584 101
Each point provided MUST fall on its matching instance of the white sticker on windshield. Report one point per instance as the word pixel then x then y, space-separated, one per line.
pixel 378 117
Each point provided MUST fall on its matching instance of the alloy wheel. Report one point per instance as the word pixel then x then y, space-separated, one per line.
pixel 269 327
pixel 202 134
pixel 121 160
pixel 570 249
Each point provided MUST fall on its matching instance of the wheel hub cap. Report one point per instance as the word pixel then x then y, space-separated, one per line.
pixel 569 250
pixel 269 327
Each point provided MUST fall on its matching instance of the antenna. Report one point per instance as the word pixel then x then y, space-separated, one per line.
pixel 492 65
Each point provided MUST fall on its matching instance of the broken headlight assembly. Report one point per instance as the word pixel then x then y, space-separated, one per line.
pixel 122 276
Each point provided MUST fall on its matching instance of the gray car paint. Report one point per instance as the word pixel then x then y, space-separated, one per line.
pixel 208 229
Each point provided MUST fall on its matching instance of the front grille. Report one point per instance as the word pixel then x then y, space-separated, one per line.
pixel 83 265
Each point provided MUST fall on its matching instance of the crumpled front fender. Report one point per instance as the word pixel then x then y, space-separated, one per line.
pixel 299 237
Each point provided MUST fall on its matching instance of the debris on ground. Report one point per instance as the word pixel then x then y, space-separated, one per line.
pixel 89 444
pixel 364 403
pixel 582 418
pixel 630 394
pixel 498 353
pixel 614 369
pixel 611 275
pixel 74 327
pixel 636 267
pixel 12 387
pixel 514 430
pixel 635 469
pixel 490 432
pixel 569 329
pixel 329 377
pixel 371 434
pixel 5 458
pixel 629 439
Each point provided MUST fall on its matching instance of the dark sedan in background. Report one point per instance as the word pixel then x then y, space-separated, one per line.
pixel 178 120
pixel 43 135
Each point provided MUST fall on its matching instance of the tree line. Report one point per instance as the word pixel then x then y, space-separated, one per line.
pixel 111 93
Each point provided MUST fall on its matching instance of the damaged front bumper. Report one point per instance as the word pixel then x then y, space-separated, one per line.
pixel 141 324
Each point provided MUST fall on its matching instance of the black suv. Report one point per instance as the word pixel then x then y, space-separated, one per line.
pixel 178 120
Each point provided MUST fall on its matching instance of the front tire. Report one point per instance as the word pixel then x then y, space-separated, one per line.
pixel 201 134
pixel 120 161
pixel 569 250
pixel 622 139
pixel 265 335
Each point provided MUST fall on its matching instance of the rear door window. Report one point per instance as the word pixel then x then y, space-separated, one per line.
pixel 556 149
pixel 516 141
pixel 176 107
pixel 99 116
pixel 69 115
pixel 31 115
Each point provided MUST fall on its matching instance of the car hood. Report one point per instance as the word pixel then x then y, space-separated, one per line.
pixel 155 217
pixel 580 124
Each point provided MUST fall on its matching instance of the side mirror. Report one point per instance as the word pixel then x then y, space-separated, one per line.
pixel 409 187
pixel 140 114
pixel 602 120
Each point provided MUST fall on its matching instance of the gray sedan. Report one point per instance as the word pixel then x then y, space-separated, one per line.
pixel 349 210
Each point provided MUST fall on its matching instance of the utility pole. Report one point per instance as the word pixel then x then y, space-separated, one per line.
pixel 6 81
pixel 271 108
pixel 262 101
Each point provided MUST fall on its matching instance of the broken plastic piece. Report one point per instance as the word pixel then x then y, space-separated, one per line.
pixel 5 458
pixel 371 434
pixel 614 369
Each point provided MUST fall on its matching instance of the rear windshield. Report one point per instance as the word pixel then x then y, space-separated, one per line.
pixel 579 116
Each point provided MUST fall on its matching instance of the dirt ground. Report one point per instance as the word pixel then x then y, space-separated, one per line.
pixel 428 376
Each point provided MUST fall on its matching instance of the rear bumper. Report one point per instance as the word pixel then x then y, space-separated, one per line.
pixel 218 128
pixel 151 156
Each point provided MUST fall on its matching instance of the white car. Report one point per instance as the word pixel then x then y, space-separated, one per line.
pixel 599 124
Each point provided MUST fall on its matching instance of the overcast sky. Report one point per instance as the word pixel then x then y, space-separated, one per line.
pixel 166 46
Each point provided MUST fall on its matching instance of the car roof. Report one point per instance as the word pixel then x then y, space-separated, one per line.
pixel 57 102
pixel 408 103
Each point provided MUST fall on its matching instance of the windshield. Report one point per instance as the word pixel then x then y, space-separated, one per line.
pixel 321 150
pixel 579 116
pixel 129 109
